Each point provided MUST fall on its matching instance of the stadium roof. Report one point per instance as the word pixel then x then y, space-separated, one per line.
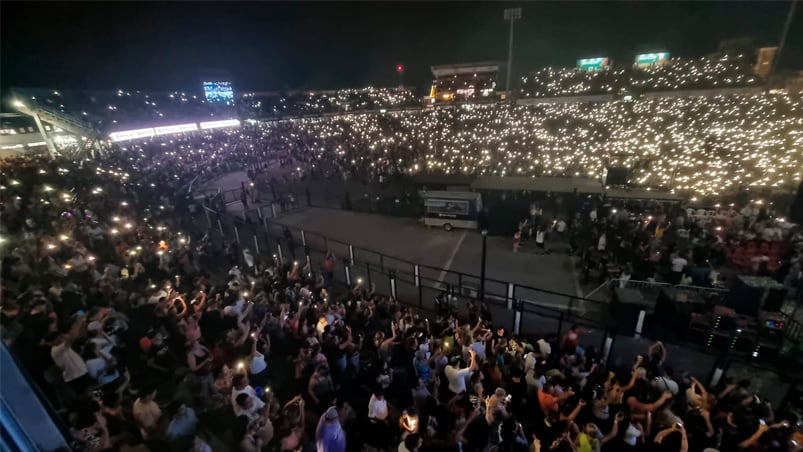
pixel 465 68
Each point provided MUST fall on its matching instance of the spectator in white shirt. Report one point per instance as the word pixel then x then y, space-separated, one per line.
pixel 240 385
pixel 457 377
pixel 378 407
pixel 73 368
pixel 678 265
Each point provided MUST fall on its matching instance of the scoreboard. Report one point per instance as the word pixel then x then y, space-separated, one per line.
pixel 219 92
pixel 593 64
pixel 650 59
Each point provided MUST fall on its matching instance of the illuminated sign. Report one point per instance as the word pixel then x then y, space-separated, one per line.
pixel 592 64
pixel 219 93
pixel 648 59
pixel 132 134
pixel 178 128
pixel 219 124
pixel 468 92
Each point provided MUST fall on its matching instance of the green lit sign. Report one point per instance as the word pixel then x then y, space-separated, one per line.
pixel 592 64
pixel 651 58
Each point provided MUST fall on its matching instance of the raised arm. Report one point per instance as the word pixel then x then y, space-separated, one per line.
pixel 573 415
pixel 749 442
pixel 78 329
pixel 200 302
pixel 476 327
pixel 612 434
pixel 631 383
pixel 637 363
pixel 391 339
pixel 659 437
pixel 472 365
pixel 180 305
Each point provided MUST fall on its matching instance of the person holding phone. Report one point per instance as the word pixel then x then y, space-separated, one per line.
pixel 458 375
pixel 496 407
pixel 73 367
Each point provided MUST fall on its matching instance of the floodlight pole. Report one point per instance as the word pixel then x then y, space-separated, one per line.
pixel 782 42
pixel 511 15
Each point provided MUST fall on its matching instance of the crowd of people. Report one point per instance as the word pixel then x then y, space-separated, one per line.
pixel 106 111
pixel 724 71
pixel 695 145
pixel 340 101
pixel 651 241
pixel 143 329
pixel 555 82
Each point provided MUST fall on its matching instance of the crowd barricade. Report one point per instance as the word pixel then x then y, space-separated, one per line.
pixel 516 308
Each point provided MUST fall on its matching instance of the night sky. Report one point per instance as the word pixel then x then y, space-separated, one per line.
pixel 276 46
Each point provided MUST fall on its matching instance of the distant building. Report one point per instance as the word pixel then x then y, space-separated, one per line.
pixel 763 67
pixel 463 81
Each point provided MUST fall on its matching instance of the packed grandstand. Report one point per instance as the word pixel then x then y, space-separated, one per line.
pixel 695 145
pixel 724 71
pixel 144 327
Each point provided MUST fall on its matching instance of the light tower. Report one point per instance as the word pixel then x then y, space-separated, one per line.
pixel 511 15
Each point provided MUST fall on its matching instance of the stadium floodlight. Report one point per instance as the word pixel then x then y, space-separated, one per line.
pixel 784 33
pixel 511 15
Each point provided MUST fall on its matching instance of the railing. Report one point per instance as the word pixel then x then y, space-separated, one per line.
pixel 698 289
pixel 518 309
pixel 65 121
pixel 27 419
pixel 255 229
pixel 653 287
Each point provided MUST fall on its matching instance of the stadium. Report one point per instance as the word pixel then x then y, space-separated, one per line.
pixel 603 257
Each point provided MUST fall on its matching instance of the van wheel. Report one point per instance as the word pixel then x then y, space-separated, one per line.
pixel 447 227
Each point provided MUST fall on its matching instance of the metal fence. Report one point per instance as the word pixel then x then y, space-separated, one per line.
pixel 517 308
